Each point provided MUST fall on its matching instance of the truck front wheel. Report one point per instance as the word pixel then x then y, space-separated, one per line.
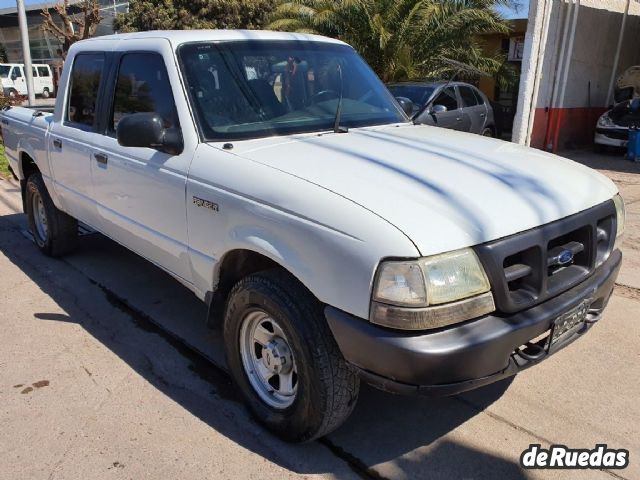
pixel 283 356
pixel 54 232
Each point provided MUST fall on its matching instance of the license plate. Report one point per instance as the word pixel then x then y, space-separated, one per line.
pixel 569 322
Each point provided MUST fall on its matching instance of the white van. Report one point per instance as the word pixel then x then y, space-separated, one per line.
pixel 14 81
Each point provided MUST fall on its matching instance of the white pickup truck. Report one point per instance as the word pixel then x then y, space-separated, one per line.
pixel 334 241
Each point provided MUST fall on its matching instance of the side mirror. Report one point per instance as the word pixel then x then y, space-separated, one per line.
pixel 146 129
pixel 438 109
pixel 406 104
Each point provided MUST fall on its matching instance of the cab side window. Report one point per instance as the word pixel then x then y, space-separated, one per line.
pixel 448 98
pixel 479 97
pixel 83 90
pixel 143 86
pixel 16 72
pixel 468 98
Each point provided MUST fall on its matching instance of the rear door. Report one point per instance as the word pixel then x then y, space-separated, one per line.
pixel 73 134
pixel 475 114
pixel 37 82
pixel 141 192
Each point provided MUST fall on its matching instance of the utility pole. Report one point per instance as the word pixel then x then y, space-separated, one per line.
pixel 26 51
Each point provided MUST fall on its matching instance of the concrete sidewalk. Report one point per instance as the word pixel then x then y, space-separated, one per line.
pixel 108 372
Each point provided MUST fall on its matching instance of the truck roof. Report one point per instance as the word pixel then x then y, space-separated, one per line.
pixel 177 37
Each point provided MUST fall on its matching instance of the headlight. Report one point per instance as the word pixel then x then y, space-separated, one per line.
pixel 605 121
pixel 431 292
pixel 620 214
pixel 401 283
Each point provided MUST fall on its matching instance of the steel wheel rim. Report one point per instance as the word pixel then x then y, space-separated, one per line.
pixel 268 360
pixel 40 218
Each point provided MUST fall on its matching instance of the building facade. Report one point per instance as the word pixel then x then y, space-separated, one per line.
pixel 45 48
pixel 573 54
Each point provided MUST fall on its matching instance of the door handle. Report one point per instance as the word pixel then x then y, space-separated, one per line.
pixel 57 143
pixel 101 158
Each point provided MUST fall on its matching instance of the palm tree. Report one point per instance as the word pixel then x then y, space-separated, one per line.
pixel 402 39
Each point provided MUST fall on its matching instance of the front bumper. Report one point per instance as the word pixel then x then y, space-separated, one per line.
pixel 475 353
pixel 613 137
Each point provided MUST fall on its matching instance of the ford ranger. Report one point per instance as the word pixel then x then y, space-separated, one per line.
pixel 333 240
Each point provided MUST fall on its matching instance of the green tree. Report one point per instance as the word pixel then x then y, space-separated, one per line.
pixel 191 14
pixel 403 39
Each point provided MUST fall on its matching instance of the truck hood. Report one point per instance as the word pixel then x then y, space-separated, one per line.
pixel 444 189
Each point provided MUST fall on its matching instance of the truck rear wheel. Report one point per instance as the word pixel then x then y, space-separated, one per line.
pixel 283 356
pixel 45 93
pixel 54 232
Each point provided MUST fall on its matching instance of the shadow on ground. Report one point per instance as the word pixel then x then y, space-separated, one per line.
pixel 612 159
pixel 188 368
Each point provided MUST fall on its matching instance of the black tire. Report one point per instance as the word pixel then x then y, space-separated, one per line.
pixel 45 93
pixel 327 388
pixel 487 132
pixel 13 93
pixel 62 230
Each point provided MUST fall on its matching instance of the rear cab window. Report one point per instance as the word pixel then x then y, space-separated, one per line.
pixel 84 85
pixel 43 71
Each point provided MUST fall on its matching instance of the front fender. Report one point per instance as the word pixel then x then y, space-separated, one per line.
pixel 331 244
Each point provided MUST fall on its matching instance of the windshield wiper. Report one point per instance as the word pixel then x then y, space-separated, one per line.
pixel 336 124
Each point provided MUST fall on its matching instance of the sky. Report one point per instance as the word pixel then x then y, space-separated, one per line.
pixel 12 3
pixel 521 12
pixel 508 13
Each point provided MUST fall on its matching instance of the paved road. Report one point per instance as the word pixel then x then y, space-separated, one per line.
pixel 106 371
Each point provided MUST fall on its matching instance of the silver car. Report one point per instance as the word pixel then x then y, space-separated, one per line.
pixel 454 105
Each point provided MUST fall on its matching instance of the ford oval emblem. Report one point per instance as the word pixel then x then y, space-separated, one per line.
pixel 565 257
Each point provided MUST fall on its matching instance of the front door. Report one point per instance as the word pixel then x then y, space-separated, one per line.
pixel 140 192
pixel 452 117
pixel 19 82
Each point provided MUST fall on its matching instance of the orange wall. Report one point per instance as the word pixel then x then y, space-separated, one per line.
pixel 564 127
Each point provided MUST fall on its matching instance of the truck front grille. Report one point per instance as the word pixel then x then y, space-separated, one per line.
pixel 530 267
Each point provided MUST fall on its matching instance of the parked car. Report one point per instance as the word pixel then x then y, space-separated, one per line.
pixel 612 129
pixel 454 105
pixel 333 239
pixel 14 81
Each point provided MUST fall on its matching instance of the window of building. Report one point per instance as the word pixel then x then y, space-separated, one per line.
pixel 83 93
pixel 143 86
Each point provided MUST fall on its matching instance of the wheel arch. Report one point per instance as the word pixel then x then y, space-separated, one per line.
pixel 26 167
pixel 231 268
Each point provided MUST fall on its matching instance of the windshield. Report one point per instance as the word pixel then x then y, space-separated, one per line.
pixel 418 94
pixel 250 89
pixel 4 71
